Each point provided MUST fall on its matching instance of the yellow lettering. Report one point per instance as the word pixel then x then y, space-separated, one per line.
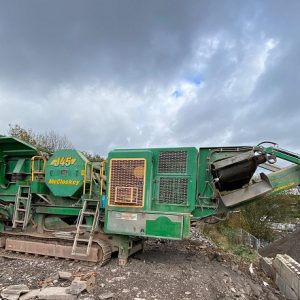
pixel 63 182
pixel 63 161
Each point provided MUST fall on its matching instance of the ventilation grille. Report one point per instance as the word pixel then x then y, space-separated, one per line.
pixel 127 179
pixel 173 190
pixel 172 162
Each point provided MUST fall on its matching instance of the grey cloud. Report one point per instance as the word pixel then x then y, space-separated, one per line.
pixel 103 72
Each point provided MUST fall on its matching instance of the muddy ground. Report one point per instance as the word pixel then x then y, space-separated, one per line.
pixel 289 244
pixel 165 270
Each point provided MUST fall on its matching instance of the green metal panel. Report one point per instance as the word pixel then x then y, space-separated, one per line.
pixel 164 227
pixel 171 169
pixel 285 179
pixel 19 166
pixel 174 182
pixel 177 177
pixel 11 146
pixel 38 187
pixel 54 210
pixel 148 224
pixel 64 173
pixel 131 155
pixel 15 166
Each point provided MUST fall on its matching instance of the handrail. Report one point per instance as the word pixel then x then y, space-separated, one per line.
pixel 41 171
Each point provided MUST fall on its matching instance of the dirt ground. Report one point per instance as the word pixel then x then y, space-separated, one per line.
pixel 165 270
pixel 290 245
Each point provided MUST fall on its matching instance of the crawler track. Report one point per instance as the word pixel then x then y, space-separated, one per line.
pixel 100 252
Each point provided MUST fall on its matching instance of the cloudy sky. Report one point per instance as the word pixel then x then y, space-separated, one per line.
pixel 112 74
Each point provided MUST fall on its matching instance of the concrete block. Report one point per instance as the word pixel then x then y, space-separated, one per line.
pixel 266 265
pixel 287 269
pixel 65 275
pixel 13 292
pixel 77 287
pixel 30 295
pixel 107 295
pixel 285 289
pixel 55 293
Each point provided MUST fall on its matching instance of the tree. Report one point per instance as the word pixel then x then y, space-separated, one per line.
pixel 256 216
pixel 48 141
pixel 92 157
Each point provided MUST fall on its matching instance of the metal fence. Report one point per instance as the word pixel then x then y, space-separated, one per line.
pixel 245 238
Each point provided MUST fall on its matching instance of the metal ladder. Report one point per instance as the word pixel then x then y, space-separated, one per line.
pixel 86 211
pixel 86 245
pixel 22 206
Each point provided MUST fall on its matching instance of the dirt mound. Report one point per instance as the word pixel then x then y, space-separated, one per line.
pixel 289 245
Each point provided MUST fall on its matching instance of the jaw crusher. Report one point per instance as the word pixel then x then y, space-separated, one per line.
pixel 63 205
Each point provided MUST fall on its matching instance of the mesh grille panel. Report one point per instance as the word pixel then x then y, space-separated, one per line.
pixel 172 162
pixel 173 190
pixel 127 179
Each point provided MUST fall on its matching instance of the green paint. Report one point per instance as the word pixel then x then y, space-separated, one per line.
pixel 64 173
pixel 285 179
pixel 164 227
pixel 38 187
pixel 54 210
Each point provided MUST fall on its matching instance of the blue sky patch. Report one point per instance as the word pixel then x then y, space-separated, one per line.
pixel 196 79
pixel 177 93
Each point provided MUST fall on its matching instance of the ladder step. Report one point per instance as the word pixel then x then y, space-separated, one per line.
pixel 82 240
pixel 79 254
pixel 91 200
pixel 88 213
pixel 85 226
pixel 25 188
pixel 23 198
pixel 21 209
pixel 19 221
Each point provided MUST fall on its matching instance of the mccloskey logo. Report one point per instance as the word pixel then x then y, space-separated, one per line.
pixel 64 182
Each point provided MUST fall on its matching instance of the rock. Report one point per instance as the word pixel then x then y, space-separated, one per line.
pixel 120 278
pixel 235 268
pixel 107 295
pixel 30 295
pixel 49 280
pixel 65 275
pixel 187 293
pixel 251 269
pixel 267 267
pixel 77 287
pixel 55 293
pixel 77 279
pixel 271 296
pixel 90 283
pixel 13 292
pixel 256 289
